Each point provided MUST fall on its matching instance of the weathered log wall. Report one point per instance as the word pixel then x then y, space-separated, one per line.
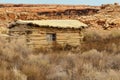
pixel 37 36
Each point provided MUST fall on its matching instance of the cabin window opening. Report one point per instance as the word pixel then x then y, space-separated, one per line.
pixel 51 37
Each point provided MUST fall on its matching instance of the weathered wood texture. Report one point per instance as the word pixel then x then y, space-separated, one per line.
pixel 38 35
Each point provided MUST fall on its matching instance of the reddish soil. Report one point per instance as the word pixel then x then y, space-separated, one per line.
pixel 104 16
pixel 11 12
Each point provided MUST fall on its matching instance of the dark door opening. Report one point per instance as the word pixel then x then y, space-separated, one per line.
pixel 51 37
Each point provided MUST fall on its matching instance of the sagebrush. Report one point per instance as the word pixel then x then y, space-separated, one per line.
pixel 94 62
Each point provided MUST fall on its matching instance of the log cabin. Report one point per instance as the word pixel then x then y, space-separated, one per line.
pixel 47 33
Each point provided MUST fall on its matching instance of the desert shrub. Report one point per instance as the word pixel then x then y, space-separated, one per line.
pixel 6 74
pixel 93 56
pixel 34 72
pixel 11 55
pixel 98 61
pixel 101 40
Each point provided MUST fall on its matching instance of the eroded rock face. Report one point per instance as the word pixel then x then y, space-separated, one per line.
pixel 11 12
pixel 108 17
pixel 105 16
pixel 69 13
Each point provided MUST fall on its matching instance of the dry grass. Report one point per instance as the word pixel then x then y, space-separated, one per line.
pixel 18 62
pixel 102 40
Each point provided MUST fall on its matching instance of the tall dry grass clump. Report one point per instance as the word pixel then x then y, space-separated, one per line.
pixel 101 40
pixel 98 60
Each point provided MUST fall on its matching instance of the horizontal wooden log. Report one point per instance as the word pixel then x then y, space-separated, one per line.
pixel 37 35
pixel 38 42
pixel 16 31
pixel 68 33
pixel 36 39
pixel 67 38
pixel 42 37
pixel 73 40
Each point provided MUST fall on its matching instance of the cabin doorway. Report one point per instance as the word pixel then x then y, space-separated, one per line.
pixel 51 37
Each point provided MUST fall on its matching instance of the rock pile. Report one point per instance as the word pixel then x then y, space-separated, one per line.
pixel 11 12
pixel 107 17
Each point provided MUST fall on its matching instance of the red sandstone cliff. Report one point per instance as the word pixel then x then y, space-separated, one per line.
pixel 11 12
pixel 105 16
